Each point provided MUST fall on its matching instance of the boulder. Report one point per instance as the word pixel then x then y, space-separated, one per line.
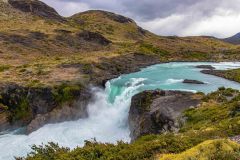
pixel 205 67
pixel 190 81
pixel 155 112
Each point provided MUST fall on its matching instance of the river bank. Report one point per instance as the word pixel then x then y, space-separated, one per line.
pixel 55 99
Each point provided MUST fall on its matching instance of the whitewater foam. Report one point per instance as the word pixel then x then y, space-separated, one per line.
pixel 106 123
pixel 173 81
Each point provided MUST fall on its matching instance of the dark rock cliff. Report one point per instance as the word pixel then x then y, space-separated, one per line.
pixel 34 107
pixel 37 8
pixel 154 112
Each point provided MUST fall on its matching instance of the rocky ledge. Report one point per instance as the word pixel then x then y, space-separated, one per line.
pixel 190 81
pixel 154 112
pixel 205 67
pixel 34 107
pixel 218 73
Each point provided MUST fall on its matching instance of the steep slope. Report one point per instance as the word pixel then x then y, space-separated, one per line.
pixel 234 39
pixel 116 27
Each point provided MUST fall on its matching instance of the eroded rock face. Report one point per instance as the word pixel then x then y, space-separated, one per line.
pixel 94 37
pixel 118 18
pixel 68 112
pixel 35 107
pixel 113 67
pixel 154 112
pixel 36 7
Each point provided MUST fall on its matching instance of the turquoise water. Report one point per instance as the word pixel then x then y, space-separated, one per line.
pixel 108 113
pixel 169 76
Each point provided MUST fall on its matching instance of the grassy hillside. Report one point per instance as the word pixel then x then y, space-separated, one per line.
pixel 232 74
pixel 34 47
pixel 211 149
pixel 216 118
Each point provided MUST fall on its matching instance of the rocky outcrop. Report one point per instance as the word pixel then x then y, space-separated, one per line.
pixel 34 107
pixel 4 123
pixel 219 73
pixel 154 112
pixel 110 68
pixel 37 8
pixel 205 67
pixel 67 112
pixel 190 81
pixel 94 37
pixel 118 18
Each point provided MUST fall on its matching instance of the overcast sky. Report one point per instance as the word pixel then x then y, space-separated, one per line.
pixel 220 18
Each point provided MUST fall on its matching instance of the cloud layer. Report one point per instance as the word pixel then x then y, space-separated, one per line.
pixel 218 18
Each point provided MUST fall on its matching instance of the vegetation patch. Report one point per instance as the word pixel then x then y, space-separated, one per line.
pixel 4 68
pixel 22 112
pixel 151 49
pixel 66 92
pixel 222 149
pixel 198 56
pixel 232 74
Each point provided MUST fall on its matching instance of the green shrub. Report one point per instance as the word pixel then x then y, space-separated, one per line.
pixel 151 49
pixel 4 68
pixel 22 112
pixel 65 92
pixel 3 107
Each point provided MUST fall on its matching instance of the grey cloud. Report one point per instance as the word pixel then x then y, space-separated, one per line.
pixel 151 9
pixel 160 16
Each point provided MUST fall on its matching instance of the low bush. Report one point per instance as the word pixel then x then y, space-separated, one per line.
pixel 66 92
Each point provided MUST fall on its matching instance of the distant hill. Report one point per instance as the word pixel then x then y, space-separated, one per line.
pixel 234 39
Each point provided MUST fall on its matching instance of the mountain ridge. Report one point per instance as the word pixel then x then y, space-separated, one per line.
pixel 235 39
